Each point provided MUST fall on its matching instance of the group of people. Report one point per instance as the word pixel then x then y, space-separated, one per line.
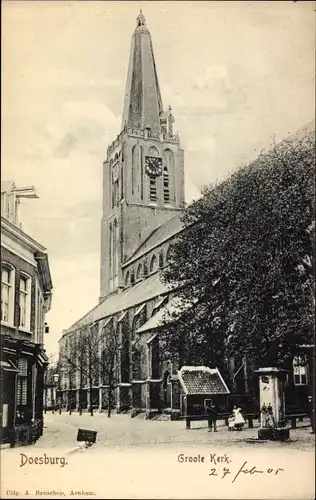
pixel 236 420
pixel 266 416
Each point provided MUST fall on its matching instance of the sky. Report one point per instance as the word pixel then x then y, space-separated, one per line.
pixel 236 74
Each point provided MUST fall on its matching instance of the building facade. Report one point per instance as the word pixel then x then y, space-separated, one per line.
pixel 26 291
pixel 143 199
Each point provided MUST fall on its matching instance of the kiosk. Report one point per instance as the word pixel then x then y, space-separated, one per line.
pixel 272 404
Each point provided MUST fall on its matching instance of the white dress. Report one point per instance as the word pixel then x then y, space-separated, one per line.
pixel 231 423
pixel 239 419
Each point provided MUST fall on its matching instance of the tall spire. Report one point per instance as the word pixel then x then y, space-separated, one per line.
pixel 142 103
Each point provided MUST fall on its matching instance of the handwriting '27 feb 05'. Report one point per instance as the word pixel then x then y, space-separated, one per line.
pixel 244 470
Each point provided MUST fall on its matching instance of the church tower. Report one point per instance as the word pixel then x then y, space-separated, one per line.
pixel 143 175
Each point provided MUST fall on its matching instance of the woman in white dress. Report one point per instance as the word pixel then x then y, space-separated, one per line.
pixel 239 419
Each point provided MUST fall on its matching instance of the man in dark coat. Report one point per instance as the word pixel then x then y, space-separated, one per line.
pixel 211 415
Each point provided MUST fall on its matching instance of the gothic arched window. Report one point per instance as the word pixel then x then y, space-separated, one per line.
pixel 155 358
pixel 161 261
pixel 110 250
pixel 153 264
pixel 132 277
pixel 145 267
pixel 122 183
pixel 127 278
pixel 115 227
pixel 139 271
pixel 141 173
pixel 168 254
pixel 153 151
pixel 168 175
pixel 134 162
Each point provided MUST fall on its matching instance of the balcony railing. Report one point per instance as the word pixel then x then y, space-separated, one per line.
pixel 141 133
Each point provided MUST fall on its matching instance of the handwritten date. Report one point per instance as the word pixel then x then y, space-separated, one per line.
pixel 243 470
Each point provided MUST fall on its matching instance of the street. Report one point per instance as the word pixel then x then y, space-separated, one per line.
pixel 60 431
pixel 137 458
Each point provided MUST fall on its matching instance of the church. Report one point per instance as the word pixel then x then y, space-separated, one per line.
pixel 143 200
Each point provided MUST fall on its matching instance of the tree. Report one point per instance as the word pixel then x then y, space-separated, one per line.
pixel 110 352
pixel 91 353
pixel 244 265
pixel 81 356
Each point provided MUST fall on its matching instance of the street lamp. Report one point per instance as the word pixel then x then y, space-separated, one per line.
pixel 56 380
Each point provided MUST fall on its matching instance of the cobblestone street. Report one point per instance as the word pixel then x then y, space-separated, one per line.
pixel 60 431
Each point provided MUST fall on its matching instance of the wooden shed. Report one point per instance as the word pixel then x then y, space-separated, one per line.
pixel 199 385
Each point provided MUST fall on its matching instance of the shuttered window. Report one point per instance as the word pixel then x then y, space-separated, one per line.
pixel 22 382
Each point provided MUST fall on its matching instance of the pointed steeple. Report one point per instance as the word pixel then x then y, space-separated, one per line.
pixel 142 103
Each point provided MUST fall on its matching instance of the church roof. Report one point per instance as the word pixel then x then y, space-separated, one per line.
pixel 163 233
pixel 142 103
pixel 132 296
pixel 157 319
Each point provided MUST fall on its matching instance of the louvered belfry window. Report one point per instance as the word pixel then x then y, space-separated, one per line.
pixel 166 192
pixel 152 188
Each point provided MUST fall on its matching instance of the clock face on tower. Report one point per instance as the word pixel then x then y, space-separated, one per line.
pixel 153 166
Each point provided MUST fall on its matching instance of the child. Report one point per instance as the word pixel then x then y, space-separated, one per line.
pixel 231 422
pixel 239 419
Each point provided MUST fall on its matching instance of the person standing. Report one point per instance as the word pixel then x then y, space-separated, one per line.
pixel 239 419
pixel 211 416
pixel 264 416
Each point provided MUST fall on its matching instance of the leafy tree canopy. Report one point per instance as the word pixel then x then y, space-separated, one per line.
pixel 244 265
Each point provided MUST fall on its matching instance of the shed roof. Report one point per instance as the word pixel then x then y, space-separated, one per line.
pixel 201 380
